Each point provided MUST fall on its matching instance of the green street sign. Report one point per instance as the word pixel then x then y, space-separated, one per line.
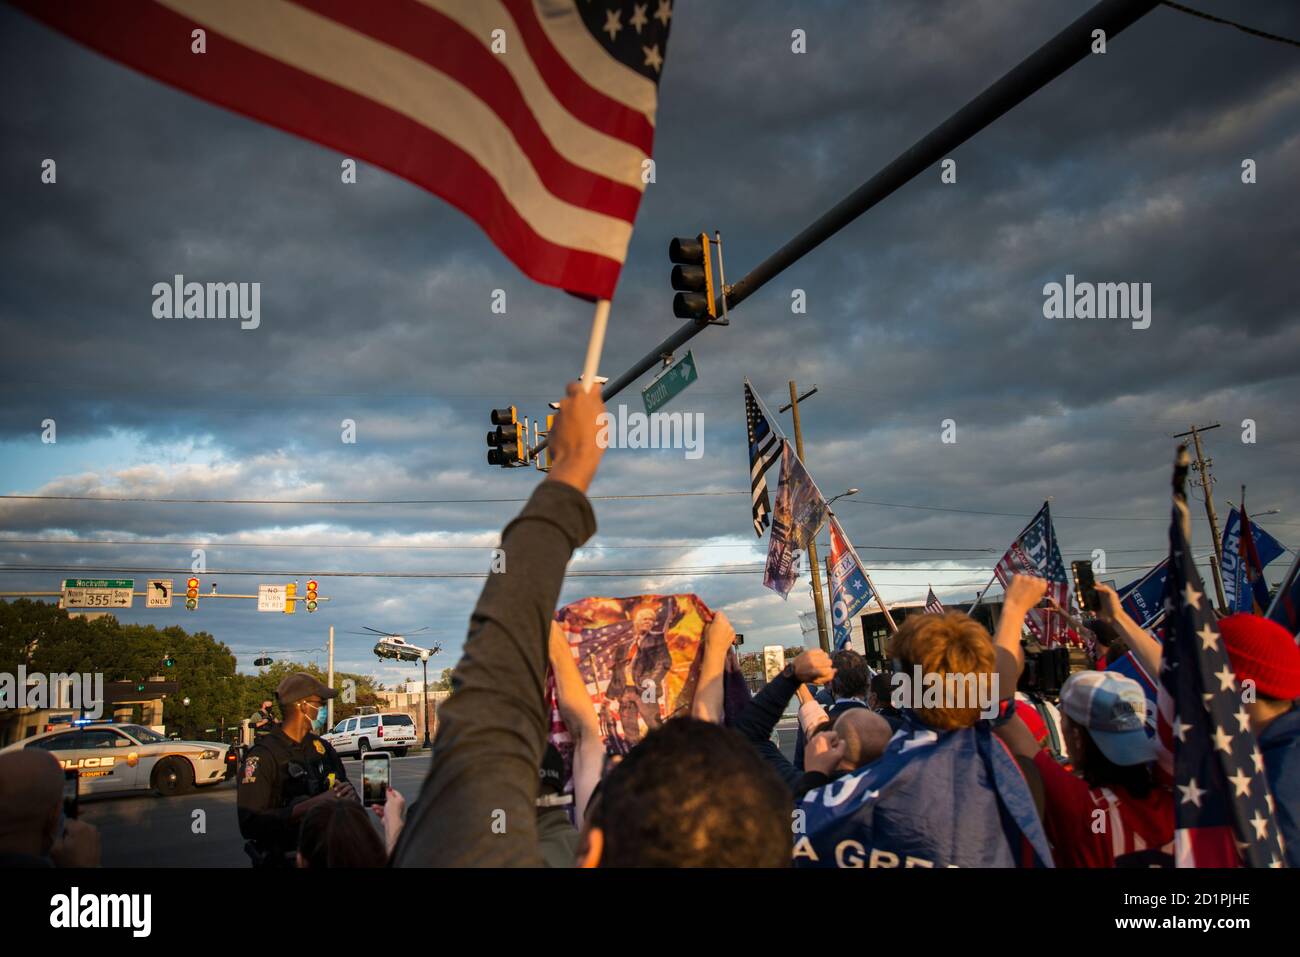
pixel 114 593
pixel 670 383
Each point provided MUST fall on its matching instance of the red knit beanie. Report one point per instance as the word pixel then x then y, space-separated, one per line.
pixel 1261 650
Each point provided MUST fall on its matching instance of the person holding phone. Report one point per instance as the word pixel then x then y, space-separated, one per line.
pixel 287 772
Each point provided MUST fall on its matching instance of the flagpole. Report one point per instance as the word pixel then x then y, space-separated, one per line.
pixel 595 344
pixel 1277 595
pixel 980 597
pixel 875 592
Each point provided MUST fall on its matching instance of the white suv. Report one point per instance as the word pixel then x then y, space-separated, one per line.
pixel 392 731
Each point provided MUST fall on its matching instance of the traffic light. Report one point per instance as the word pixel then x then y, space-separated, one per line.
pixel 693 276
pixel 192 594
pixel 508 444
pixel 169 662
pixel 311 595
pixel 290 591
pixel 544 462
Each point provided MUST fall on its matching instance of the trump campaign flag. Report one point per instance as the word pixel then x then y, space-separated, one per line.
pixel 797 517
pixel 850 587
pixel 1222 813
pixel 933 799
pixel 535 118
pixel 1285 609
pixel 1247 548
pixel 1144 598
pixel 1035 552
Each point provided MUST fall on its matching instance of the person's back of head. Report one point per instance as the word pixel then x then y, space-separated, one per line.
pixel 851 674
pixel 865 735
pixel 692 794
pixel 339 834
pixel 31 796
pixel 881 691
pixel 1264 653
pixel 955 650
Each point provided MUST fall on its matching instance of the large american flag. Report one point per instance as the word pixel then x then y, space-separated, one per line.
pixel 764 452
pixel 1223 813
pixel 533 117
pixel 1035 552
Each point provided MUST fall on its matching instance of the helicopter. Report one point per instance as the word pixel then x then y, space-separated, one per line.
pixel 394 645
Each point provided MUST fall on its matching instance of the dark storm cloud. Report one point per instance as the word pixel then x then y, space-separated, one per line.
pixel 375 308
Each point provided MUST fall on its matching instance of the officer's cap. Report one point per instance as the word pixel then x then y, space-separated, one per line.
pixel 301 685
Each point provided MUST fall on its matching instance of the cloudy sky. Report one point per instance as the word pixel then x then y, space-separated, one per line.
pixel 376 307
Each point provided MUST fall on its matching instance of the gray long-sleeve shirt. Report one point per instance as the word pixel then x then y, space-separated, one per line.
pixel 477 806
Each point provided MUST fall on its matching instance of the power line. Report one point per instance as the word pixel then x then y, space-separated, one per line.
pixel 1229 23
pixel 594 498
pixel 402 546
pixel 340 501
pixel 413 547
pixel 653 572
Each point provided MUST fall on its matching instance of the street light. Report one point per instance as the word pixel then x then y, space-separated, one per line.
pixel 424 661
pixel 852 491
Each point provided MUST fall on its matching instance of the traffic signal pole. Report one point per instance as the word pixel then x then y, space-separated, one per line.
pixel 1040 68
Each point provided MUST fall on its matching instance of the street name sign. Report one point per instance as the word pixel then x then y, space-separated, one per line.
pixel 98 592
pixel 670 384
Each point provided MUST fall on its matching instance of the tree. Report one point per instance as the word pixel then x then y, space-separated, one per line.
pixel 41 637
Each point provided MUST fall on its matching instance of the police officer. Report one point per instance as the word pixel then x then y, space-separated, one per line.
pixel 263 720
pixel 287 772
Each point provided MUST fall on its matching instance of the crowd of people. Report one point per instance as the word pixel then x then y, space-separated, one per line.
pixel 710 789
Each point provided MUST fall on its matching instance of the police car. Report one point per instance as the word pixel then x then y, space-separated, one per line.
pixel 131 757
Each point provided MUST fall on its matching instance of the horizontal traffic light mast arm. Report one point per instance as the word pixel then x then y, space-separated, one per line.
pixel 1033 73
pixel 140 594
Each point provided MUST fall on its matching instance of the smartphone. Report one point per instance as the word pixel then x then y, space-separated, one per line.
pixel 374 777
pixel 71 792
pixel 1085 586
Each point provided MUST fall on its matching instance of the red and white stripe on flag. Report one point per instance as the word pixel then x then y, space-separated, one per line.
pixel 542 143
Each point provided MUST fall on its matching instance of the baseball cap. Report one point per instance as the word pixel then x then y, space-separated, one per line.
pixel 301 685
pixel 551 771
pixel 1113 709
pixel 1262 651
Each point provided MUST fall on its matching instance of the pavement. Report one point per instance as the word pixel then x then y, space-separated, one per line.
pixel 200 829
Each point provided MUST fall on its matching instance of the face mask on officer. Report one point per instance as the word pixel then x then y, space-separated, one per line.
pixel 318 721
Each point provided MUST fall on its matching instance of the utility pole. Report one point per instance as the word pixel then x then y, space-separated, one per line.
pixel 329 704
pixel 818 602
pixel 1202 466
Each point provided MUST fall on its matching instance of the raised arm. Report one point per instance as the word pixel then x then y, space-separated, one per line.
pixel 1023 593
pixel 718 638
pixel 477 805
pixel 580 718
pixel 1144 645
pixel 758 720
